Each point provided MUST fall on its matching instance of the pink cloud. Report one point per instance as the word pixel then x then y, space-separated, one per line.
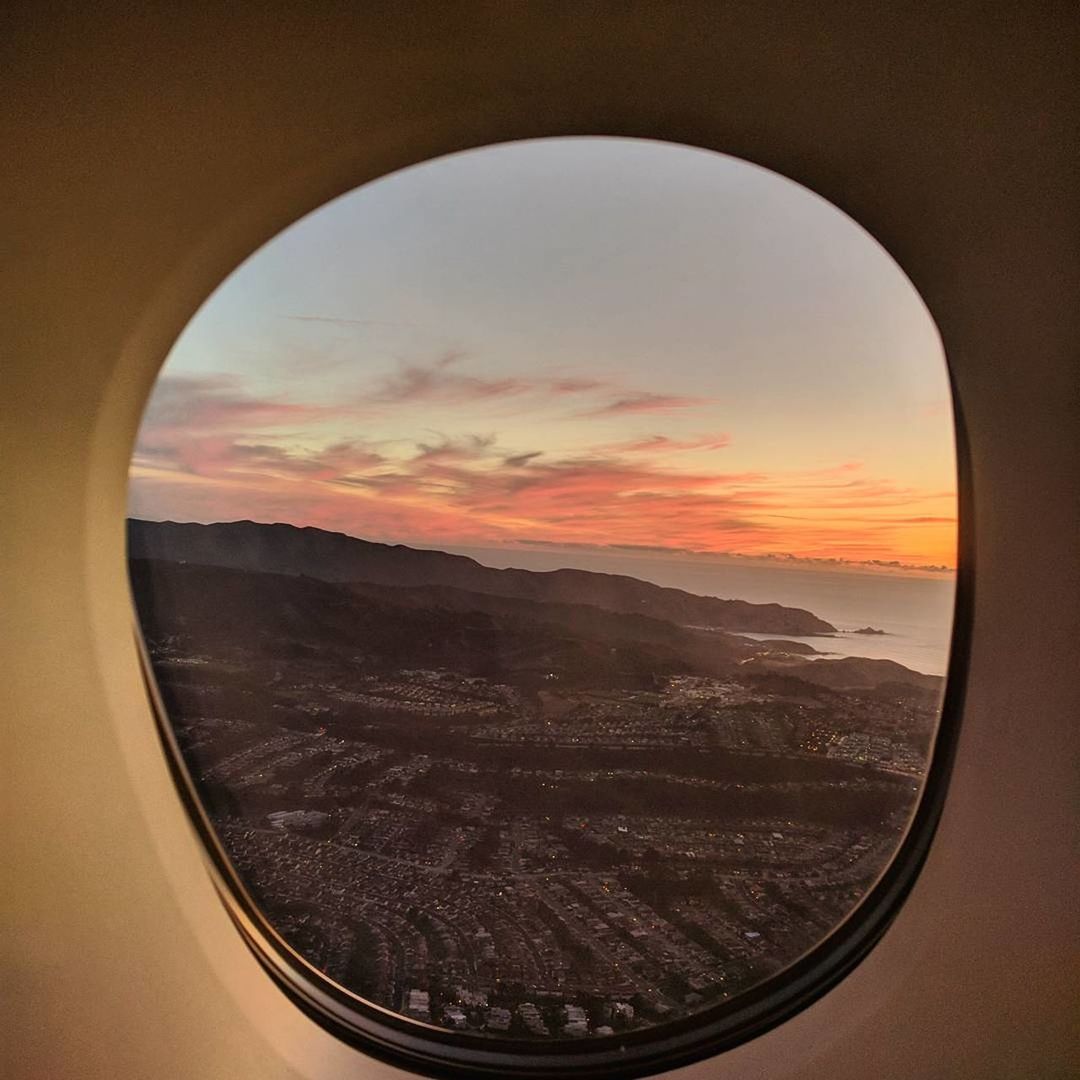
pixel 219 456
pixel 208 426
pixel 199 404
pixel 439 382
pixel 662 444
pixel 645 402
pixel 575 386
pixel 442 381
pixel 209 450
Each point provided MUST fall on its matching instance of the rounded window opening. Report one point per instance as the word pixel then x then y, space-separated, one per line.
pixel 545 556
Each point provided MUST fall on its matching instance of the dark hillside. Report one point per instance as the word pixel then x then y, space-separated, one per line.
pixel 286 549
pixel 277 617
pixel 850 673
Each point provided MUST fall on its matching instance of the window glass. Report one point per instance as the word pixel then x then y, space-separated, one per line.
pixel 545 555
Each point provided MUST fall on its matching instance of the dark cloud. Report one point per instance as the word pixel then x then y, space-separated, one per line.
pixel 465 448
pixel 516 461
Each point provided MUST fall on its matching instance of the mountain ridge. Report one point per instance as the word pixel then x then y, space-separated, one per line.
pixel 295 618
pixel 340 558
pixel 300 619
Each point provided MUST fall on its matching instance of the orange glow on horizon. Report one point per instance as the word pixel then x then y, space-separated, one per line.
pixel 433 500
pixel 669 351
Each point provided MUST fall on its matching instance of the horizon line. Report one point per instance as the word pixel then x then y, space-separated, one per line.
pixel 780 561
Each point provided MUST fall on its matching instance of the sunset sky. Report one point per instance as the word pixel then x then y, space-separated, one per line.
pixel 603 344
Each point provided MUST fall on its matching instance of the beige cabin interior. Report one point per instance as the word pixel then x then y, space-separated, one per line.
pixel 149 149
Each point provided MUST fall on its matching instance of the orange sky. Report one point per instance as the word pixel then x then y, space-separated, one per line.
pixel 407 366
pixel 226 454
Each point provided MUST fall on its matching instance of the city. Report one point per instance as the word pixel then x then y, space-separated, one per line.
pixel 526 851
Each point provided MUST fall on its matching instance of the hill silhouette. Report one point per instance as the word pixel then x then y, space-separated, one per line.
pixel 336 557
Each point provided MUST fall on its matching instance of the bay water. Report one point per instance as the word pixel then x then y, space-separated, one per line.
pixel 915 612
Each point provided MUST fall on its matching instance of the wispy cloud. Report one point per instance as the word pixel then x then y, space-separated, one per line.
pixel 517 461
pixel 210 426
pixel 441 382
pixel 572 385
pixel 445 381
pixel 213 450
pixel 645 402
pixel 214 402
pixel 468 448
pixel 662 444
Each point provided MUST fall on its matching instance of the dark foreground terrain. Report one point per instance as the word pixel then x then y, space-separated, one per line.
pixel 517 814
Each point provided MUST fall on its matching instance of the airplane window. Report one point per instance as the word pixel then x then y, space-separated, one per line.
pixel 545 557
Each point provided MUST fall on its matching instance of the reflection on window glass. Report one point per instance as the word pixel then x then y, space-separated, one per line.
pixel 545 555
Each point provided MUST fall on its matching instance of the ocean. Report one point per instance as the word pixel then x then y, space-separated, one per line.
pixel 915 612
